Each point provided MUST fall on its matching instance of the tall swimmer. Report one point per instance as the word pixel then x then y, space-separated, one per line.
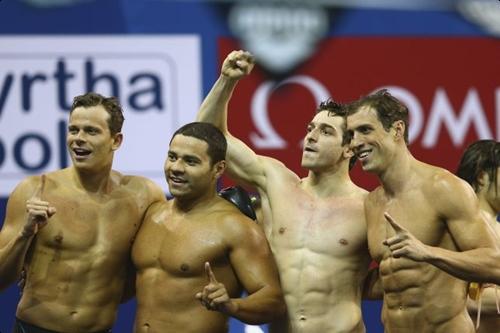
pixel 418 273
pixel 72 229
pixel 315 225
pixel 196 253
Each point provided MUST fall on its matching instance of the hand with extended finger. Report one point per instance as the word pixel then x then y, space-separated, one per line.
pixel 214 295
pixel 237 64
pixel 404 244
pixel 39 211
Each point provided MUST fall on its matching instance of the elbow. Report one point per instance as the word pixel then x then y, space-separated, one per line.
pixel 280 312
pixel 277 309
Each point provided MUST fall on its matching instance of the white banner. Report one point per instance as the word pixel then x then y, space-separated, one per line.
pixel 157 79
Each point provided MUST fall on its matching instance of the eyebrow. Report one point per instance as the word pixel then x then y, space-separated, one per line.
pixel 320 125
pixel 171 152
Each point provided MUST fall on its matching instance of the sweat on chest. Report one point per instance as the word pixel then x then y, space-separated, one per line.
pixel 179 252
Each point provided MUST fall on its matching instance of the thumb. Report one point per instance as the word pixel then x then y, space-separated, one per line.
pixel 51 211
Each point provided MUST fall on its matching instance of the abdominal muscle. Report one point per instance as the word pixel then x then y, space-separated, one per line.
pixel 322 292
pixel 421 298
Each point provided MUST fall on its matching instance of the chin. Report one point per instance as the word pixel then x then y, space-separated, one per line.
pixel 307 163
pixel 367 167
pixel 82 167
pixel 179 193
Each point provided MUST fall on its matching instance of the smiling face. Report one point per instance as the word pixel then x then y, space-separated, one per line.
pixel 372 144
pixel 323 142
pixel 89 140
pixel 189 170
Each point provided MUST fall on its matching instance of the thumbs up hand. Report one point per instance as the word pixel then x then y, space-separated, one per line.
pixel 39 211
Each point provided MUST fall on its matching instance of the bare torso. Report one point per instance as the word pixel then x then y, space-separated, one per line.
pixel 76 266
pixel 418 297
pixel 321 251
pixel 169 254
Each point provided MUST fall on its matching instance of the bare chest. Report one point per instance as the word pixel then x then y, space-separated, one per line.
pixel 331 227
pixel 82 223
pixel 179 248
pixel 412 211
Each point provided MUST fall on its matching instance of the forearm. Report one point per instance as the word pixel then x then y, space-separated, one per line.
pixel 12 257
pixel 481 265
pixel 261 307
pixel 214 108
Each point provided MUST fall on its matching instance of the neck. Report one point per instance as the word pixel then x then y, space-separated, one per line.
pixel 188 204
pixel 90 181
pixel 488 210
pixel 396 177
pixel 329 182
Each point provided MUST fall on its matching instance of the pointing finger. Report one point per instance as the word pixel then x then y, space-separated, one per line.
pixel 394 224
pixel 39 189
pixel 210 274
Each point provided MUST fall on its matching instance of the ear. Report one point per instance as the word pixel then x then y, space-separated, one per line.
pixel 347 152
pixel 483 179
pixel 399 129
pixel 219 167
pixel 117 141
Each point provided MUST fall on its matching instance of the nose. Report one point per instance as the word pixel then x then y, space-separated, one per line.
pixel 355 141
pixel 174 166
pixel 79 137
pixel 312 136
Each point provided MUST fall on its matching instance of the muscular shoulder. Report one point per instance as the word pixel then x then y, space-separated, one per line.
pixel 142 187
pixel 158 212
pixel 25 189
pixel 449 194
pixel 237 226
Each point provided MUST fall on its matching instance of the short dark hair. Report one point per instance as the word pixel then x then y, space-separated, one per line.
pixel 110 104
pixel 336 109
pixel 389 109
pixel 340 110
pixel 480 156
pixel 217 144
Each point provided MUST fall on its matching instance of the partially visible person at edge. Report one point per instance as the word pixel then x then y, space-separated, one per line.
pixel 72 229
pixel 315 225
pixel 425 228
pixel 479 167
pixel 196 253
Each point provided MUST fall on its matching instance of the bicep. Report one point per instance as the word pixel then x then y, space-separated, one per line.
pixel 465 221
pixel 244 164
pixel 471 232
pixel 252 260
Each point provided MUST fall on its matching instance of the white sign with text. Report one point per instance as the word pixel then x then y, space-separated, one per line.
pixel 156 78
